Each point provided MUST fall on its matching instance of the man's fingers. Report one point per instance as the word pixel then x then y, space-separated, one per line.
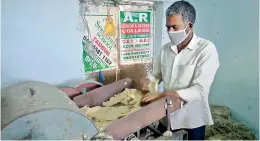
pixel 147 98
pixel 143 99
pixel 144 91
pixel 145 88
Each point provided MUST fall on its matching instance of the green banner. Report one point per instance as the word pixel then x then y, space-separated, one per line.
pixel 92 63
pixel 136 43
pixel 135 17
pixel 104 46
pixel 129 36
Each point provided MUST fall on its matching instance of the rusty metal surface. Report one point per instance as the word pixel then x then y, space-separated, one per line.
pixel 81 85
pixel 99 95
pixel 147 115
pixel 71 92
pixel 88 86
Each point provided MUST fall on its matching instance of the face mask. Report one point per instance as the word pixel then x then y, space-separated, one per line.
pixel 177 37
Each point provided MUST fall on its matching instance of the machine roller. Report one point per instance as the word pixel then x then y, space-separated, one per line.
pixel 37 110
pixel 123 127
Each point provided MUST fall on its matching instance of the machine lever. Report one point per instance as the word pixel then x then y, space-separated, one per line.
pixel 168 112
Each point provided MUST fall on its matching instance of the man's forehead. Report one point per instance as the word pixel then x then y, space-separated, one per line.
pixel 174 20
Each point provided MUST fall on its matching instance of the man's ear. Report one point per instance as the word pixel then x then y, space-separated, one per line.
pixel 191 25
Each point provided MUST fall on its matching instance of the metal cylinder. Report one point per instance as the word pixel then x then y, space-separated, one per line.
pixel 97 96
pixel 37 110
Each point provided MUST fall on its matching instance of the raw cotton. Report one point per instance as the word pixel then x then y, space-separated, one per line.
pixel 117 107
pixel 225 128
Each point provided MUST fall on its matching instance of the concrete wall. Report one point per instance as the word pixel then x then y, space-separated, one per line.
pixel 233 27
pixel 40 40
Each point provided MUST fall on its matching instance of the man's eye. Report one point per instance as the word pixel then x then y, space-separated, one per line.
pixel 176 29
pixel 172 28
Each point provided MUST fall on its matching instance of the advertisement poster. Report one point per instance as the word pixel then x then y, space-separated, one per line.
pixel 104 46
pixel 136 44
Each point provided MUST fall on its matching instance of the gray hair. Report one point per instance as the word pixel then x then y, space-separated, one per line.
pixel 184 8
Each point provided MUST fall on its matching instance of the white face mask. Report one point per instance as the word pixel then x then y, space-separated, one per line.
pixel 177 37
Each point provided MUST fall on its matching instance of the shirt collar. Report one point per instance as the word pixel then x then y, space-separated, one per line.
pixel 190 46
pixel 193 41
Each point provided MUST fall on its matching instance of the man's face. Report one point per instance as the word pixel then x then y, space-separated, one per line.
pixel 175 23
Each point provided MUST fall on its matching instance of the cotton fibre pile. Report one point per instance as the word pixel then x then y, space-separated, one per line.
pixel 117 107
pixel 225 128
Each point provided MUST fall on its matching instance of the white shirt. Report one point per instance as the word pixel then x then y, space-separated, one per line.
pixel 190 73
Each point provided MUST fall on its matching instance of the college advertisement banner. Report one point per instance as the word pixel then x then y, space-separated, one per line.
pixel 136 44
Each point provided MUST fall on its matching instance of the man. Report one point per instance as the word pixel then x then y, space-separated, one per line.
pixel 186 66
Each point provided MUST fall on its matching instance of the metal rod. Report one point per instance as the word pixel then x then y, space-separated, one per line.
pixel 168 114
pixel 138 132
pixel 157 132
pixel 136 3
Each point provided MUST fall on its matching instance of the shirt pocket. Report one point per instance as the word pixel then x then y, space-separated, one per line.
pixel 183 75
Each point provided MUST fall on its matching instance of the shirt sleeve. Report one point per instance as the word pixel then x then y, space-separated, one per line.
pixel 156 73
pixel 203 76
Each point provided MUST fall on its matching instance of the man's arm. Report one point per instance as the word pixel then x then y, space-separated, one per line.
pixel 203 77
pixel 156 73
pixel 153 75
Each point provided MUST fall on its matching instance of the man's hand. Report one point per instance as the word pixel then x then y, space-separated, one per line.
pixel 151 97
pixel 171 94
pixel 145 88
